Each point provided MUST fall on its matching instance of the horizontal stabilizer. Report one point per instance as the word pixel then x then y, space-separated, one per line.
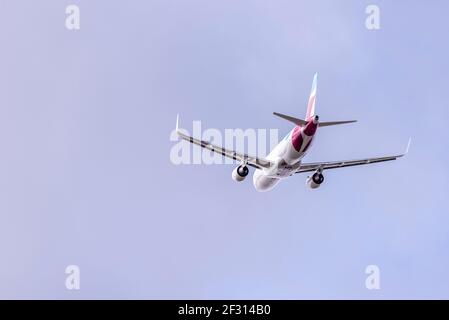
pixel 298 122
pixel 301 122
pixel 335 123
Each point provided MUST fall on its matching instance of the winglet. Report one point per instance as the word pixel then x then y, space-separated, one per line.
pixel 177 122
pixel 408 145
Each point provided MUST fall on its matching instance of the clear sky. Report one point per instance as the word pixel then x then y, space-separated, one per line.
pixel 86 177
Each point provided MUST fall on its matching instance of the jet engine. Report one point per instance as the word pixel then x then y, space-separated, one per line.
pixel 315 180
pixel 239 174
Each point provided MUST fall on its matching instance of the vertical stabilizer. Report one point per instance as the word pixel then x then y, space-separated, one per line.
pixel 312 99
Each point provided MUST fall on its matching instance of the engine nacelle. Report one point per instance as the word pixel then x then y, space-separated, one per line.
pixel 240 173
pixel 315 180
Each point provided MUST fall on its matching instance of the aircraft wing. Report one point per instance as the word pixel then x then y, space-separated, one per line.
pixel 255 162
pixel 309 167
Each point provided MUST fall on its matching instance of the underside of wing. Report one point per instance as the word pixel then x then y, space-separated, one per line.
pixel 309 167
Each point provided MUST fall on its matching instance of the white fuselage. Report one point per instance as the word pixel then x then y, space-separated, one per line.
pixel 287 157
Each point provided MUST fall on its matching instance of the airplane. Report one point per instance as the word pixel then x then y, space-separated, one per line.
pixel 285 160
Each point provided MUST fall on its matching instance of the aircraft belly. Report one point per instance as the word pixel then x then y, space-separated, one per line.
pixel 262 182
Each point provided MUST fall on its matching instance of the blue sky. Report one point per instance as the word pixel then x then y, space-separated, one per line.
pixel 86 178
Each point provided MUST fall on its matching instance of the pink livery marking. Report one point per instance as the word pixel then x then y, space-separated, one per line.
pixel 310 129
pixel 297 135
pixel 297 139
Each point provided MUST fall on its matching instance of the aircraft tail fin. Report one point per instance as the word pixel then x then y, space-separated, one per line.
pixel 311 110
pixel 312 99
